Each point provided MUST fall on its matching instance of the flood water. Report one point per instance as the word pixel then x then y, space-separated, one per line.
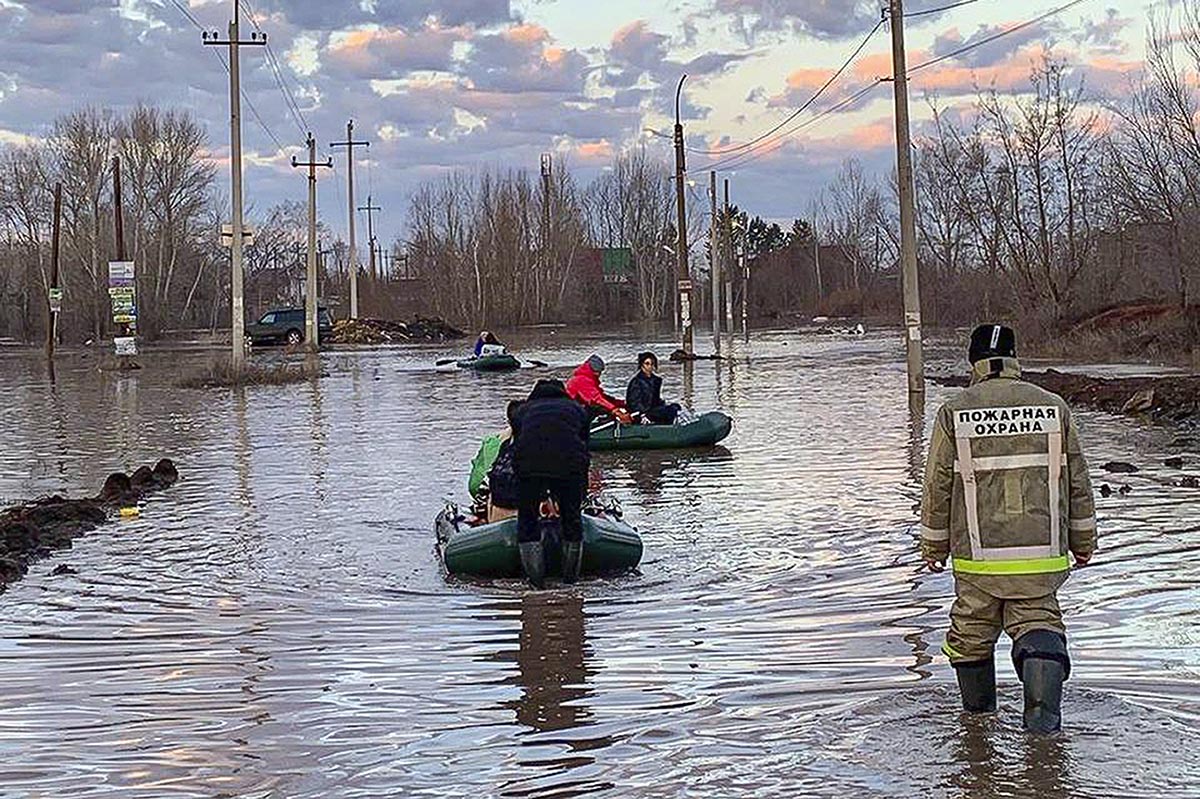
pixel 277 625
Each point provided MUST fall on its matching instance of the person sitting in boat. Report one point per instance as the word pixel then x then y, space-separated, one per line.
pixel 488 344
pixel 584 387
pixel 493 481
pixel 644 394
pixel 550 448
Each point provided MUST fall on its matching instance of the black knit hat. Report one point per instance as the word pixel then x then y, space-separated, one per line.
pixel 648 356
pixel 992 341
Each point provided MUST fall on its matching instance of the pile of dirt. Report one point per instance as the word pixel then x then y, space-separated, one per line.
pixel 34 529
pixel 383 331
pixel 1167 398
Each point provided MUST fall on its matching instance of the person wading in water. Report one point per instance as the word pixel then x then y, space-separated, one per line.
pixel 1007 496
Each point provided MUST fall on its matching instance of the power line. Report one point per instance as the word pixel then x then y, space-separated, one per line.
pixel 183 9
pixel 748 157
pixel 807 103
pixel 277 73
pixel 929 11
pixel 1000 35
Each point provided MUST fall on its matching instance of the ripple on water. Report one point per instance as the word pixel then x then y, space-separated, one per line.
pixel 277 624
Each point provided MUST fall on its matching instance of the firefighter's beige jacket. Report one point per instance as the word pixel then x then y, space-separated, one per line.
pixel 1007 491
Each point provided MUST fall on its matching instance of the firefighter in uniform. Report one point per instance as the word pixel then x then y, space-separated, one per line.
pixel 1006 496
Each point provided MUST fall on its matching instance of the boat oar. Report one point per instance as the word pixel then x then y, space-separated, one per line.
pixel 534 364
pixel 447 361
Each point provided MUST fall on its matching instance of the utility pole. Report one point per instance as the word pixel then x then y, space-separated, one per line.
pixel 124 328
pixel 681 252
pixel 350 144
pixel 817 266
pixel 311 328
pixel 727 253
pixel 237 303
pixel 55 295
pixel 908 216
pixel 714 263
pixel 547 173
pixel 369 208
pixel 745 291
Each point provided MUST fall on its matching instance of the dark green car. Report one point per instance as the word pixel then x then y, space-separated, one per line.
pixel 286 326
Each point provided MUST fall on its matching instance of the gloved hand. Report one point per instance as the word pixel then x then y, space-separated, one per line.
pixel 623 416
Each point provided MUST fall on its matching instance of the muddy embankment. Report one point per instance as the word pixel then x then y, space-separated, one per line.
pixel 34 529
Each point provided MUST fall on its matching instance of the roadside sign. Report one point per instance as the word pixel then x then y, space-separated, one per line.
pixel 126 345
pixel 120 273
pixel 55 296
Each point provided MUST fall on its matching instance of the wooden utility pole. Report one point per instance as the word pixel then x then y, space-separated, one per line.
pixel 745 291
pixel 370 208
pixel 118 224
pixel 714 263
pixel 350 144
pixel 237 301
pixel 681 253
pixel 312 337
pixel 908 215
pixel 54 297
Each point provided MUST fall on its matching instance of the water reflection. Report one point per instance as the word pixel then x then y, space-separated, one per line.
pixel 552 662
pixel 997 761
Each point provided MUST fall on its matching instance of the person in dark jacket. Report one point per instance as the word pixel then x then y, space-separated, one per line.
pixel 644 394
pixel 550 453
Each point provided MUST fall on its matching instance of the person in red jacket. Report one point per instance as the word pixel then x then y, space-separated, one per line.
pixel 584 387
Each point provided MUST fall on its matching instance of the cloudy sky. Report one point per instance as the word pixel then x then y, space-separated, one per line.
pixel 438 85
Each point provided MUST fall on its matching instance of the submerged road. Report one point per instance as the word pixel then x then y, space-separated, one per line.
pixel 277 624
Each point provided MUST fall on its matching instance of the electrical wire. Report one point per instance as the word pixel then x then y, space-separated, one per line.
pixel 807 103
pixel 778 143
pixel 773 146
pixel 254 111
pixel 929 11
pixel 277 73
pixel 999 35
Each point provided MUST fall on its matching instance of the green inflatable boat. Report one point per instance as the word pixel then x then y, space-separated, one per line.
pixel 705 431
pixel 490 550
pixel 500 362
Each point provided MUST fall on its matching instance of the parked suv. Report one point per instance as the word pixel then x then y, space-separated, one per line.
pixel 286 326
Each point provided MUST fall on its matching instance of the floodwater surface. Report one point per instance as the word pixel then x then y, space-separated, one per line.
pixel 277 623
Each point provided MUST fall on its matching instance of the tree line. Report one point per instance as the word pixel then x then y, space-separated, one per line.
pixel 1042 206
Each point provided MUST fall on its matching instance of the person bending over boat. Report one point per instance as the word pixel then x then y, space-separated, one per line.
pixel 550 449
pixel 488 344
pixel 493 481
pixel 584 387
pixel 644 394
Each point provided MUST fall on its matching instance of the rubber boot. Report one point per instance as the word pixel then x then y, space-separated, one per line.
pixel 572 560
pixel 1043 665
pixel 1043 695
pixel 977 684
pixel 533 562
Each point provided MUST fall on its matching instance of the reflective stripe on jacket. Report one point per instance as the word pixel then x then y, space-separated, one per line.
pixel 1007 492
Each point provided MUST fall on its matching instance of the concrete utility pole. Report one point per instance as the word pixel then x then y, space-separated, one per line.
pixel 681 252
pixel 311 328
pixel 52 316
pixel 908 215
pixel 727 254
pixel 369 208
pixel 237 303
pixel 350 144
pixel 817 267
pixel 714 263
